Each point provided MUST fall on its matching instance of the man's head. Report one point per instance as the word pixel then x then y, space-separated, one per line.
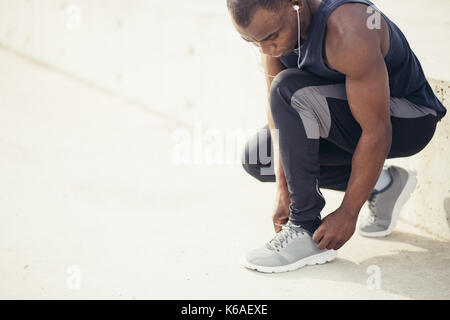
pixel 269 24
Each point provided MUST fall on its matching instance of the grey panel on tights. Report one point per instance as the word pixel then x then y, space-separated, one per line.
pixel 312 106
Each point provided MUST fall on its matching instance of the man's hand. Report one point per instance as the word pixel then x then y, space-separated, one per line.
pixel 281 211
pixel 336 229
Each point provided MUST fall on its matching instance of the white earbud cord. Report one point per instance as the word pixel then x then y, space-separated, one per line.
pixel 299 29
pixel 298 38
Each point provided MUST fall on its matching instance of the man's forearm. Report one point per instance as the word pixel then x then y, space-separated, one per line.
pixel 273 66
pixel 367 163
pixel 276 157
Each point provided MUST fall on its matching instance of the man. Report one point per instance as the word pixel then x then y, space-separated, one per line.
pixel 352 96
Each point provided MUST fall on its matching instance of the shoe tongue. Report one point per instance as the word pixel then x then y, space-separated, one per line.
pixel 373 194
pixel 376 191
pixel 297 228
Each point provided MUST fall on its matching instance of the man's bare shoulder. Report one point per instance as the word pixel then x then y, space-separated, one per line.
pixel 348 34
pixel 348 20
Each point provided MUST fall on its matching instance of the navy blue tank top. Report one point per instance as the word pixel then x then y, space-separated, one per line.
pixel 406 77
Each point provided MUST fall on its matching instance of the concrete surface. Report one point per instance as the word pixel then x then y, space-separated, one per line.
pixel 93 206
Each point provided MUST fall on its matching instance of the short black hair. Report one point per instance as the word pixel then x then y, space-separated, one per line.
pixel 243 10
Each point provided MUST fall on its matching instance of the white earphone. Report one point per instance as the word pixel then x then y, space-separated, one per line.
pixel 297 8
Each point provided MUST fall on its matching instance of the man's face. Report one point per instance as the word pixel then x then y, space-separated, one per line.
pixel 275 33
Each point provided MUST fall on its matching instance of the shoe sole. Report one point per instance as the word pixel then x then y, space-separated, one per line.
pixel 319 258
pixel 401 200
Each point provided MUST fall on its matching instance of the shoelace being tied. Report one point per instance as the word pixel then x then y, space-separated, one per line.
pixel 287 232
pixel 372 203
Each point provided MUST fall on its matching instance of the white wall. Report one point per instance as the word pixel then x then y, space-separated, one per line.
pixel 426 25
pixel 187 61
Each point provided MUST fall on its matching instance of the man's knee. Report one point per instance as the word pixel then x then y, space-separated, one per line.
pixel 286 83
pixel 290 80
pixel 304 95
pixel 282 81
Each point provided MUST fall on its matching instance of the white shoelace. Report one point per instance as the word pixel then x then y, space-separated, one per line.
pixel 372 208
pixel 287 232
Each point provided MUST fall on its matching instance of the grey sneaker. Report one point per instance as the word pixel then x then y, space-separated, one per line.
pixel 385 205
pixel 290 249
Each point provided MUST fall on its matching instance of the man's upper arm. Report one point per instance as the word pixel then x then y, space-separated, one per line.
pixel 358 55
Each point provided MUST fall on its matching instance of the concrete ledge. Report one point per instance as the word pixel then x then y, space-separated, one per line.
pixel 429 207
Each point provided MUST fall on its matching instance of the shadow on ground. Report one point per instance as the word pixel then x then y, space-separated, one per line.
pixel 419 274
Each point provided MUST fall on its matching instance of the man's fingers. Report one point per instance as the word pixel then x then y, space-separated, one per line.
pixel 276 227
pixel 332 244
pixel 277 224
pixel 323 243
pixel 318 234
pixel 339 245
